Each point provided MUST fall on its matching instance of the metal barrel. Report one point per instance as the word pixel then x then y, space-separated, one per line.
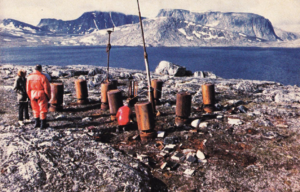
pixel 114 83
pixel 208 94
pixel 144 116
pixel 105 87
pixel 132 88
pixel 157 84
pixel 57 96
pixel 115 102
pixel 183 104
pixel 81 91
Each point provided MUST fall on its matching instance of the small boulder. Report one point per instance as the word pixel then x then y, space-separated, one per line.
pixel 168 68
pixel 95 71
pixel 200 155
pixel 195 123
pixel 57 74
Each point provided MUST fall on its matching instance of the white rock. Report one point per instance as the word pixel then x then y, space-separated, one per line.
pixel 188 151
pixel 189 172
pixel 200 155
pixel 57 74
pixel 163 165
pixel 203 124
pixel 60 117
pixel 168 68
pixel 160 134
pixel 195 123
pixel 234 121
pixel 86 119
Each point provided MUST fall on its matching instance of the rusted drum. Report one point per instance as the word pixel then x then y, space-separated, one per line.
pixel 105 87
pixel 81 91
pixel 157 84
pixel 132 89
pixel 114 83
pixel 208 94
pixel 115 102
pixel 57 97
pixel 144 116
pixel 183 104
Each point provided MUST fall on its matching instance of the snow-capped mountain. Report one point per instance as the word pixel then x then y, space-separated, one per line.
pixel 169 28
pixel 88 22
pixel 247 23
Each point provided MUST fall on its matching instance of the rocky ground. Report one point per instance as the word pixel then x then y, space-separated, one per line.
pixel 250 143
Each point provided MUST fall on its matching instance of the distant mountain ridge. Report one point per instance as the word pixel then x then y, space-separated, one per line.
pixel 170 28
pixel 88 22
pixel 247 23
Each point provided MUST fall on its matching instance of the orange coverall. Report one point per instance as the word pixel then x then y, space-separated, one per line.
pixel 123 115
pixel 39 92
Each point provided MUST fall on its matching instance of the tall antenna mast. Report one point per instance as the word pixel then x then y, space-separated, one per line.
pixel 108 47
pixel 150 89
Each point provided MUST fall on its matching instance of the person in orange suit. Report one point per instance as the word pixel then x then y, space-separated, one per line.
pixel 124 116
pixel 39 93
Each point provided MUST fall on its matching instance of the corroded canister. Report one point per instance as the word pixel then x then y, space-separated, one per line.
pixel 156 84
pixel 208 94
pixel 57 97
pixel 132 89
pixel 115 102
pixel 183 108
pixel 183 104
pixel 114 83
pixel 105 87
pixel 81 91
pixel 144 116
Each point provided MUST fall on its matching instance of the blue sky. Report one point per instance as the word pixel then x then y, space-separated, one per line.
pixel 282 13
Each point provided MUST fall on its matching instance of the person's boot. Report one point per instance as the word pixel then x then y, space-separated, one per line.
pixel 44 125
pixel 36 122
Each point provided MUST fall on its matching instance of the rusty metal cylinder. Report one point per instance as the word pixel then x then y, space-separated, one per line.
pixel 115 102
pixel 114 84
pixel 183 104
pixel 81 91
pixel 105 87
pixel 132 89
pixel 208 94
pixel 157 84
pixel 144 116
pixel 57 96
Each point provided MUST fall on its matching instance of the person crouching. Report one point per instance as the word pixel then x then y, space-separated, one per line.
pixel 39 93
pixel 124 115
pixel 20 88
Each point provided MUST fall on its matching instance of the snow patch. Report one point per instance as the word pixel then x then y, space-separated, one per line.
pixel 6 39
pixel 241 34
pixel 213 24
pixel 181 30
pixel 95 24
pixel 197 34
pixel 190 37
pixel 88 40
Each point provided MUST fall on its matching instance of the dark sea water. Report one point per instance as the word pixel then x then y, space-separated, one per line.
pixel 273 64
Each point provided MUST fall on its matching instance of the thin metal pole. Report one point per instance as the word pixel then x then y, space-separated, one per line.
pixel 150 89
pixel 108 51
